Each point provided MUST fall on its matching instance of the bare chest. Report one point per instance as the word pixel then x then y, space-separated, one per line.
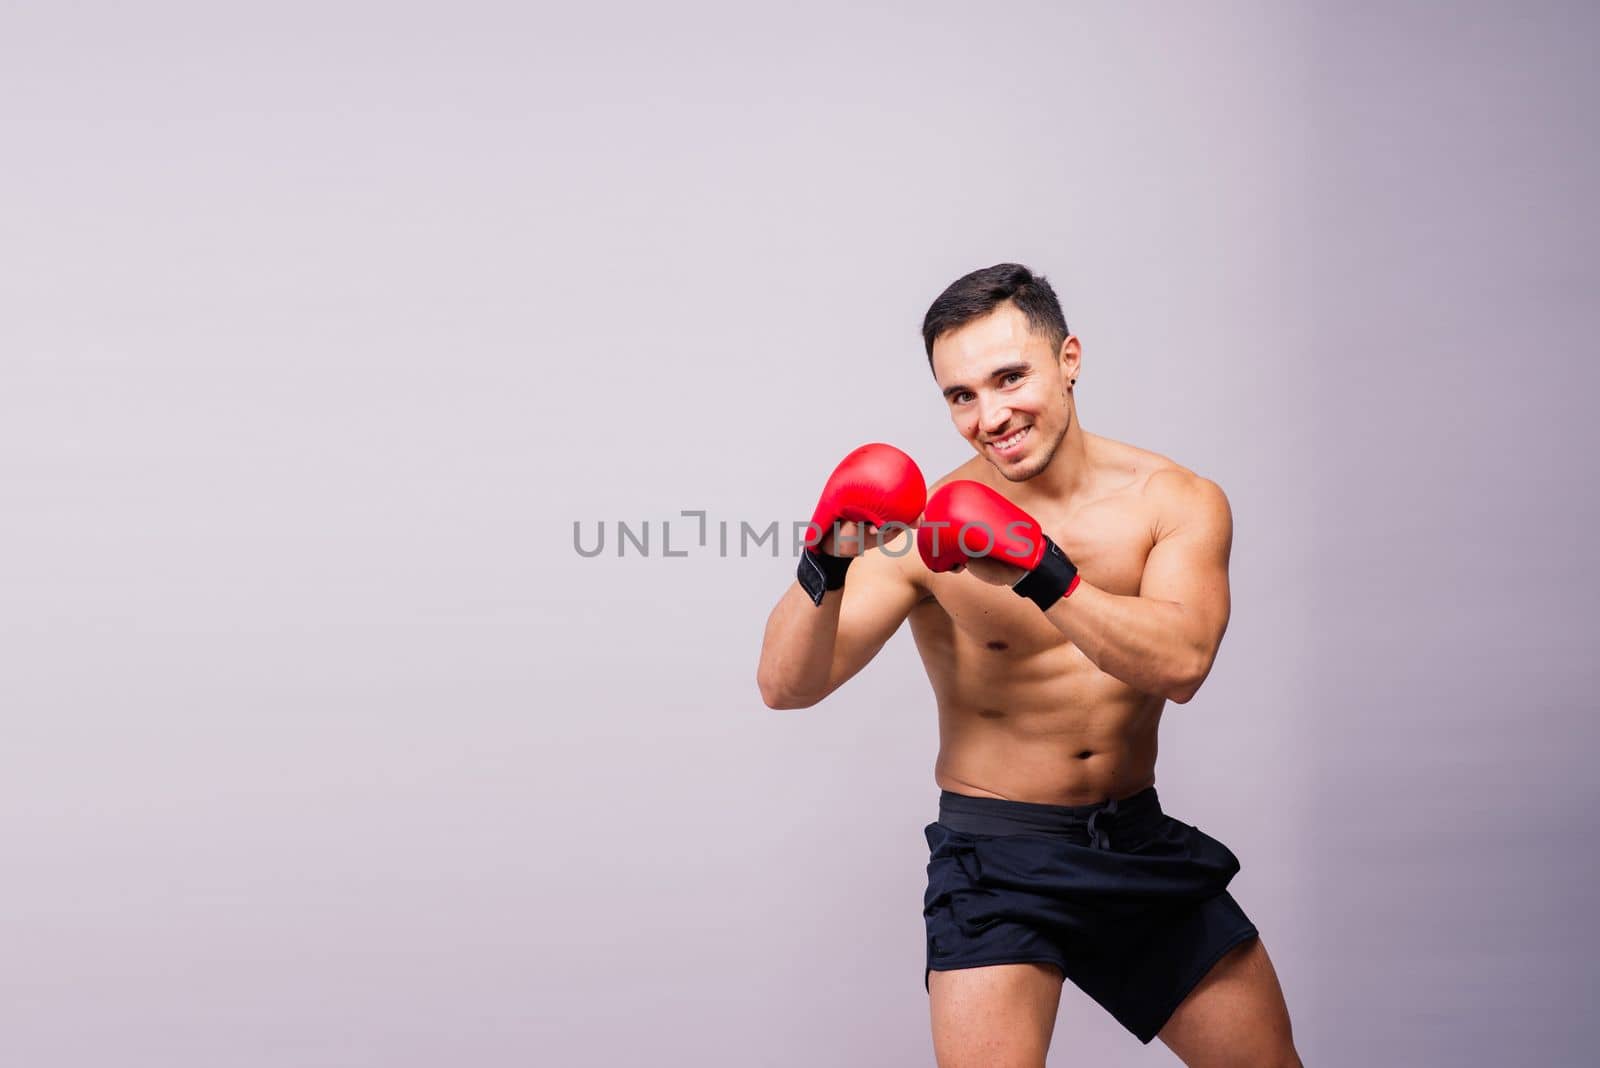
pixel 1108 543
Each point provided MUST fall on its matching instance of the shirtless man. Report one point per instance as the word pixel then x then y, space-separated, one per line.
pixel 1064 588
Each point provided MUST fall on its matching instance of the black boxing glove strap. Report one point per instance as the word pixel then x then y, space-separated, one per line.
pixel 820 573
pixel 1054 578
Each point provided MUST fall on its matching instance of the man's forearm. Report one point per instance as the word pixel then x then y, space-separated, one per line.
pixel 797 651
pixel 1153 646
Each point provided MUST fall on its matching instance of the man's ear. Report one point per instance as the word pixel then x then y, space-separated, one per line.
pixel 1070 358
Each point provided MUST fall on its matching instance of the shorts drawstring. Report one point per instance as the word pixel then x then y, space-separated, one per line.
pixel 1100 838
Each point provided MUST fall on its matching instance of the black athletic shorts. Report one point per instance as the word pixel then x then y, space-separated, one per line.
pixel 1128 902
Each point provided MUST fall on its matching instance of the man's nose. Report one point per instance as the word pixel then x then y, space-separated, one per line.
pixel 992 417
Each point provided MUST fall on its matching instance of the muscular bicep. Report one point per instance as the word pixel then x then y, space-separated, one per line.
pixel 1188 565
pixel 879 594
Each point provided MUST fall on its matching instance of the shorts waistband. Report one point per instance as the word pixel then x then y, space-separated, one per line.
pixel 1091 825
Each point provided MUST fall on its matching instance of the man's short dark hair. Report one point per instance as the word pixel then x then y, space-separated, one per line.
pixel 977 294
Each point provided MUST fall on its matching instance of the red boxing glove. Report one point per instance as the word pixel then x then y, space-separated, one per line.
pixel 875 484
pixel 966 519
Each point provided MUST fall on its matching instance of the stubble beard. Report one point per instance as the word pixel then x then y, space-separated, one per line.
pixel 1034 468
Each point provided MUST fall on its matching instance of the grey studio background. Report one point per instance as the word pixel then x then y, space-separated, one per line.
pixel 323 324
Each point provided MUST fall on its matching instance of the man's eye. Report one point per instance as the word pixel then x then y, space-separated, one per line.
pixel 962 398
pixel 1014 376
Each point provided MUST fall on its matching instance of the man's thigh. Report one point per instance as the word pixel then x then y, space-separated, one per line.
pixel 999 1016
pixel 1235 1016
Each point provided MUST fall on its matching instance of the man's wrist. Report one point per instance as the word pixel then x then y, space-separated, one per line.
pixel 1054 578
pixel 818 573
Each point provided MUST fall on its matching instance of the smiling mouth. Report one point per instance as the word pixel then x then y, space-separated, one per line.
pixel 1011 442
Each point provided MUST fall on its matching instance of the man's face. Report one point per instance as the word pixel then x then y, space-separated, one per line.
pixel 1007 389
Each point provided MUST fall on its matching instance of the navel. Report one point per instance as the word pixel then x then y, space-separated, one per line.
pixel 1086 754
pixel 991 713
pixel 997 646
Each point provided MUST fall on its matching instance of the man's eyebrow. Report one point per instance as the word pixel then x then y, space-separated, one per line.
pixel 998 372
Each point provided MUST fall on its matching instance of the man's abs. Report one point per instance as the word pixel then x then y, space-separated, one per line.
pixel 1023 715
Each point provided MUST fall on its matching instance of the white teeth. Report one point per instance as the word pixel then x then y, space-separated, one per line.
pixel 1006 443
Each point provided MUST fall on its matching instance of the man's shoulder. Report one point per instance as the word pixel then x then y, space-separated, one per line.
pixel 1149 471
pixel 1175 493
pixel 1174 481
pixel 1178 497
